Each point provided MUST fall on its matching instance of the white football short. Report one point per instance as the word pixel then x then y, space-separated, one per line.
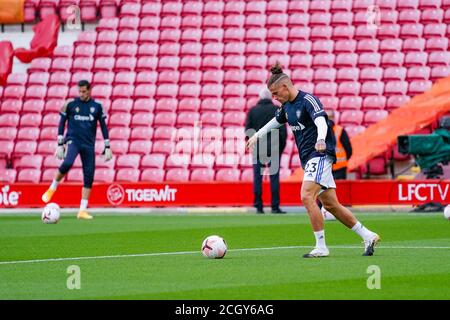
pixel 319 170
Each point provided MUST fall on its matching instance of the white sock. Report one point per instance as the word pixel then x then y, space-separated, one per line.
pixel 320 239
pixel 54 185
pixel 362 231
pixel 83 204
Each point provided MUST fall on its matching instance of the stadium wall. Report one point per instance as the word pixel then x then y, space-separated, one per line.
pixel 358 192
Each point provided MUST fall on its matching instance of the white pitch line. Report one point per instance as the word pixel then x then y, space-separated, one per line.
pixel 157 254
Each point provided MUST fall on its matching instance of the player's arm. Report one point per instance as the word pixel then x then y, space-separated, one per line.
pixel 107 150
pixel 60 150
pixel 315 110
pixel 272 124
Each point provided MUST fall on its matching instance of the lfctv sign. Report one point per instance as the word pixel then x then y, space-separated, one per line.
pixel 423 192
pixel 116 194
pixel 9 198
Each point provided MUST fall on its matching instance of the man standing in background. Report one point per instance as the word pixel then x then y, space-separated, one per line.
pixel 343 148
pixel 258 117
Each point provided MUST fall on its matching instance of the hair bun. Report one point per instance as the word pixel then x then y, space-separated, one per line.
pixel 276 69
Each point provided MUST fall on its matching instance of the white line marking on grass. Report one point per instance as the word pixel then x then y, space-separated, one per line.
pixel 158 254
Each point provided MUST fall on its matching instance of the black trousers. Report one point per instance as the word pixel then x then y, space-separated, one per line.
pixel 257 186
pixel 87 154
pixel 340 174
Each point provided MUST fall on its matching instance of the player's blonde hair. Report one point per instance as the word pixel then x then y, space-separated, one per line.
pixel 277 74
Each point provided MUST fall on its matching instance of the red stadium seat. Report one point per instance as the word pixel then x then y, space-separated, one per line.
pixel 118 133
pixel 437 44
pixel 389 31
pixel 88 11
pixel 7 175
pixel 108 24
pixel 429 4
pixel 57 92
pixel 374 116
pixel 9 120
pixel 177 175
pixel 153 175
pixel 228 175
pixel 295 7
pixel 47 147
pixel 28 133
pixel 439 59
pixel 128 175
pixel 325 74
pixel 413 44
pixel 419 86
pixel 128 161
pixel 439 72
pixel 79 64
pixel 11 106
pixel 394 73
pixel 104 175
pixel 371 74
pixel 391 45
pixel 125 77
pixel 33 106
pixel 51 119
pixel 39 78
pixel 369 60
pixel 178 160
pixel 418 73
pixel 348 88
pixel 62 78
pixel 25 147
pixel 10 133
pixel 413 30
pixel 141 147
pixel 326 89
pixel 211 104
pixel 142 119
pixel 30 120
pixel 29 175
pixel 409 16
pixel 234 118
pixel 17 79
pixel 14 92
pixel 29 162
pixel 372 88
pixel 155 160
pixel 350 103
pixel 346 60
pixel 392 59
pixel 202 175
pixel 349 117
pixel 166 104
pixel 353 130
pixel 415 59
pixel 347 74
pixel 374 102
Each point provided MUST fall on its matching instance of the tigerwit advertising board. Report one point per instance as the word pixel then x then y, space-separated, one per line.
pixel 117 194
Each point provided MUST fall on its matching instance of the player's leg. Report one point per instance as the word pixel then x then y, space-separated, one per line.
pixel 69 159
pixel 257 187
pixel 309 191
pixel 88 162
pixel 275 188
pixel 345 216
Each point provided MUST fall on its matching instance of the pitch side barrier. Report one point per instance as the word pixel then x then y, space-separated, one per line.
pixel 167 194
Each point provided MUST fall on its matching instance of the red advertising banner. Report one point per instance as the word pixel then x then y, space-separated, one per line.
pixel 362 192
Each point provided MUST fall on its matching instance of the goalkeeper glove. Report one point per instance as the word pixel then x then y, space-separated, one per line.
pixel 60 150
pixel 107 151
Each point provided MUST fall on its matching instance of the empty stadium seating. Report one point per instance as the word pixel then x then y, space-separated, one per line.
pixel 161 67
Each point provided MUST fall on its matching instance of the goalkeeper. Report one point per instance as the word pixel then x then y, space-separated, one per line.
pixel 82 115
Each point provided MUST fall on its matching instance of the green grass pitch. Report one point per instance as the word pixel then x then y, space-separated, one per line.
pixel 158 257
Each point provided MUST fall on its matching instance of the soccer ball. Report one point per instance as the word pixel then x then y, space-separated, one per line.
pixel 327 215
pixel 50 214
pixel 214 247
pixel 447 212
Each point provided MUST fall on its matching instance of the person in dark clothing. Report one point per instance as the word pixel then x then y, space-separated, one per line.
pixel 258 117
pixel 343 148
